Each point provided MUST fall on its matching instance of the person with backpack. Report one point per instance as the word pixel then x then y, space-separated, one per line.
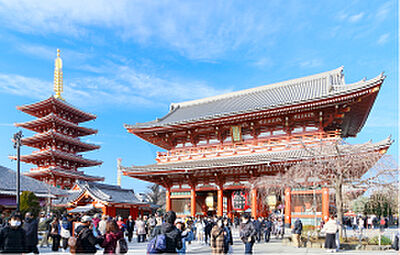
pixel 12 236
pixel 85 239
pixel 247 234
pixel 267 230
pixel 185 235
pixel 165 238
pixel 113 234
pixel 296 232
pixel 66 231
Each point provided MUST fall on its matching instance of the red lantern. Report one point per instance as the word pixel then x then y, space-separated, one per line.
pixel 240 200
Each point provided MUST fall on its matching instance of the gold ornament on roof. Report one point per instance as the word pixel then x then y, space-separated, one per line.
pixel 58 76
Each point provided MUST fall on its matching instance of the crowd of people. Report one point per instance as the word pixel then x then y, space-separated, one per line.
pixel 81 233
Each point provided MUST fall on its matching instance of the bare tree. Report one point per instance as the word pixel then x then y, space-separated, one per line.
pixel 156 194
pixel 338 165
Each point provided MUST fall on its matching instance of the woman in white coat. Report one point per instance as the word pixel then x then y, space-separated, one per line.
pixel 330 228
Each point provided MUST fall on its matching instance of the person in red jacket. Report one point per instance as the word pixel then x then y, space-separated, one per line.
pixel 113 234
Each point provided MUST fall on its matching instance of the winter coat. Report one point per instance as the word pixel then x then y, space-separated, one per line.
pixel 110 242
pixel 130 225
pixel 102 227
pixel 247 232
pixel 298 227
pixel 121 225
pixel 173 236
pixel 86 241
pixel 96 222
pixel 217 240
pixel 12 240
pixel 331 227
pixel 140 227
pixel 31 232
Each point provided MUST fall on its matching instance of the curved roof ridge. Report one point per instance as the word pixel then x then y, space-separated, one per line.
pixel 337 71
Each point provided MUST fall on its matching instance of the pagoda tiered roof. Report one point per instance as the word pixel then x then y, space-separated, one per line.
pixel 50 121
pixel 238 168
pixel 51 135
pixel 55 105
pixel 60 172
pixel 57 154
pixel 302 94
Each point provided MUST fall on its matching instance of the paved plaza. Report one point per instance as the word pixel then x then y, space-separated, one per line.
pixel 273 247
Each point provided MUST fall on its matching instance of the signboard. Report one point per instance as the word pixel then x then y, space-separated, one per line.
pixel 240 201
pixel 236 133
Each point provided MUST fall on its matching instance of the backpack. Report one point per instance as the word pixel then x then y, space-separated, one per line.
pixel 157 245
pixel 73 242
pixel 122 246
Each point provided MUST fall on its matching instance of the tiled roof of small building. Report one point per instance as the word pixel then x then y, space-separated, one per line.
pixel 253 159
pixel 297 91
pixel 103 192
pixel 8 185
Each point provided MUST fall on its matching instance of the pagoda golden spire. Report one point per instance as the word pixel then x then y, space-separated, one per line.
pixel 58 76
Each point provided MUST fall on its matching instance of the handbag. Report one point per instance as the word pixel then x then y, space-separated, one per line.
pixel 65 233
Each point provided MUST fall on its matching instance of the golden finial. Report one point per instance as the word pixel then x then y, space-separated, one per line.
pixel 58 76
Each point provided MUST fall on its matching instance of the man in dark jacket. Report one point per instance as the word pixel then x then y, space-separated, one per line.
pixel 172 234
pixel 247 234
pixel 267 230
pixel 12 236
pixel 258 225
pixel 130 225
pixel 296 232
pixel 31 232
pixel 86 241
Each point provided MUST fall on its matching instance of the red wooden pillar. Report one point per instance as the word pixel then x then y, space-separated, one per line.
pixel 168 200
pixel 229 206
pixel 325 204
pixel 288 197
pixel 220 201
pixel 193 201
pixel 254 203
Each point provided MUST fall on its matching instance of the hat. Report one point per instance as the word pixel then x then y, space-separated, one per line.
pixel 86 218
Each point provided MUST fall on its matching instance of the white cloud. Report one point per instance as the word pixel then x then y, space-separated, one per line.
pixel 311 63
pixel 383 39
pixel 198 29
pixel 383 10
pixel 263 62
pixel 356 17
pixel 125 86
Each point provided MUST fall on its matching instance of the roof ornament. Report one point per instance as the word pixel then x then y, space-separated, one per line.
pixel 58 76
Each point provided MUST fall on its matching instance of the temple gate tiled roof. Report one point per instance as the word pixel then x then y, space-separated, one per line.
pixel 292 92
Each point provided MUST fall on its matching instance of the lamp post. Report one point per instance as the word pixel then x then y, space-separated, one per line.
pixel 17 145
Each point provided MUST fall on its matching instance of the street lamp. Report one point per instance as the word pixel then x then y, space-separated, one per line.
pixel 17 145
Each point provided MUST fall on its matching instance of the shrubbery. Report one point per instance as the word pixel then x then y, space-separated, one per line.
pixel 384 240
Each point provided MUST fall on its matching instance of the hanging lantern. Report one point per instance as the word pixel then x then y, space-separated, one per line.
pixel 210 201
pixel 240 200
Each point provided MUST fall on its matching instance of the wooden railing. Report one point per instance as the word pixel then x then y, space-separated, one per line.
pixel 264 144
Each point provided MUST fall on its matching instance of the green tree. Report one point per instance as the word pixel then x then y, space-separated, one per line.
pixel 358 205
pixel 29 203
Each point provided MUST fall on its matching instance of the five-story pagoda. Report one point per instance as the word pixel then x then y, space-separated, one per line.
pixel 58 138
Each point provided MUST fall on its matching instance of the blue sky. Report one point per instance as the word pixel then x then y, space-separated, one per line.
pixel 126 62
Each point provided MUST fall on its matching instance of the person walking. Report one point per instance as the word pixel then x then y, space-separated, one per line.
pixel 247 234
pixel 31 232
pixel 55 233
pixel 228 240
pixel 330 228
pixel 121 224
pixel 102 225
pixel 66 231
pixel 44 228
pixel 209 224
pixel 12 236
pixel 130 226
pixel 140 230
pixel 218 238
pixel 86 242
pixel 199 230
pixel 267 230
pixel 296 233
pixel 172 234
pixel 113 234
